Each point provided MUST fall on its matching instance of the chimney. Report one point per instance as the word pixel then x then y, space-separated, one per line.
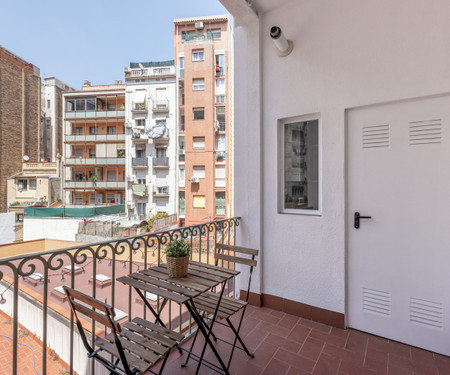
pixel 86 83
pixel 118 82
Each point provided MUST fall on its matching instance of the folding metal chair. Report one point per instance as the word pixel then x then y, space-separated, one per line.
pixel 137 345
pixel 207 301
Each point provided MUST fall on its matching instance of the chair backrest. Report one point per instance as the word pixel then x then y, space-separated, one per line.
pixel 251 262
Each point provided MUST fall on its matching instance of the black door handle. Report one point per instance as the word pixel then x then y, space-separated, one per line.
pixel 357 217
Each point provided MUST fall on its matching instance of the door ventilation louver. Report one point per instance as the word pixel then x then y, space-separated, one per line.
pixel 375 136
pixel 376 301
pixel 426 313
pixel 425 132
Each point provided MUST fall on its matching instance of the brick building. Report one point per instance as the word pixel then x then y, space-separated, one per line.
pixel 20 112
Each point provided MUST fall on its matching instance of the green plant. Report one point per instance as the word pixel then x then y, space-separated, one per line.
pixel 178 248
pixel 16 203
pixel 22 333
pixel 121 153
pixel 93 177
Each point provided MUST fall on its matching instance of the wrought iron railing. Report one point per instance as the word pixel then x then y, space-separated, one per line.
pixel 31 287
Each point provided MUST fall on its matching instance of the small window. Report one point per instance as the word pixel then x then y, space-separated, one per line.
pixel 48 123
pixel 220 203
pixel 49 103
pixel 198 55
pixel 181 66
pixel 198 84
pixel 199 201
pixel 198 113
pixel 78 131
pixel 220 99
pixel 78 152
pixel 93 130
pixel 77 198
pixel 22 184
pixel 199 171
pixel 181 202
pixel 111 176
pixel 220 142
pixel 299 160
pixel 181 142
pixel 92 152
pixel 111 130
pixel 216 34
pixel 198 143
pixel 92 198
pixel 140 122
pixel 141 181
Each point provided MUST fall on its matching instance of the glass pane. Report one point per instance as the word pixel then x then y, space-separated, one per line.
pixel 301 165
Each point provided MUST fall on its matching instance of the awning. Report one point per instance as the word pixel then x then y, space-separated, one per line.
pixel 138 189
pixel 139 96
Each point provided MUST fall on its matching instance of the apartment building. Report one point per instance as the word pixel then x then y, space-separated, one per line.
pixel 94 145
pixel 52 118
pixel 151 138
pixel 20 115
pixel 203 50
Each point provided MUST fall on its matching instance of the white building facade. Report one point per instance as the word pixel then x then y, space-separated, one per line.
pixel 151 139
pixel 353 121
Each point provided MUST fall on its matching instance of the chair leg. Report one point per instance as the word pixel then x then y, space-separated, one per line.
pixel 190 350
pixel 164 363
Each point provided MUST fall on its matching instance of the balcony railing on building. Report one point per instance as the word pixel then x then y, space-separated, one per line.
pixel 139 108
pixel 94 114
pixel 94 161
pixel 139 162
pixel 161 105
pixel 219 126
pixel 220 70
pixel 95 138
pixel 161 162
pixel 31 285
pixel 139 73
pixel 94 184
pixel 161 191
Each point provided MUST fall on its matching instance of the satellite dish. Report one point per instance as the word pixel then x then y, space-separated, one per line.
pixel 26 158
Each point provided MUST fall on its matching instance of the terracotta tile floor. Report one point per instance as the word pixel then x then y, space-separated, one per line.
pixel 284 344
pixel 26 366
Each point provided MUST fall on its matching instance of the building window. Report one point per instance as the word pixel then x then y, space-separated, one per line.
pixel 93 130
pixel 181 203
pixel 220 175
pixel 92 152
pixel 161 152
pixel 198 55
pixel 216 34
pixel 141 181
pixel 299 162
pixel 198 84
pixel 181 176
pixel 78 152
pixel 22 184
pixel 220 99
pixel 220 119
pixel 220 203
pixel 48 103
pixel 92 198
pixel 181 66
pixel 48 123
pixel 110 198
pixel 198 171
pixel 198 143
pixel 140 122
pixel 110 176
pixel 111 130
pixel 198 113
pixel 220 64
pixel 78 131
pixel 181 142
pixel 199 201
pixel 77 198
pixel 220 142
pixel 141 209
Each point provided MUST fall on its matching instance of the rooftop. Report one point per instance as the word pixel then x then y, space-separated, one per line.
pixel 188 20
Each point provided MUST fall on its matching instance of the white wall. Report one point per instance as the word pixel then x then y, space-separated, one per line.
pixel 51 228
pixel 7 225
pixel 346 54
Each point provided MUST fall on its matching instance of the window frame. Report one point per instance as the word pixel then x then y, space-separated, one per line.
pixel 199 196
pixel 198 84
pixel 196 169
pixel 281 165
pixel 197 109
pixel 196 52
pixel 198 142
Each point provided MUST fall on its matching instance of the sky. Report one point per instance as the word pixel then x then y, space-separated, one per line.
pixel 94 40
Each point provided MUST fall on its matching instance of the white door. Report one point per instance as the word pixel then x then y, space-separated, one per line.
pixel 399 260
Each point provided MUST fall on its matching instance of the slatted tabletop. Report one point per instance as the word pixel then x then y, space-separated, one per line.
pixel 200 278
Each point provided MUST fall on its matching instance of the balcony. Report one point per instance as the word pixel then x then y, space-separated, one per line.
pixel 140 73
pixel 160 162
pixel 94 161
pixel 161 192
pixel 220 155
pixel 220 70
pixel 219 126
pixel 139 163
pixel 95 185
pixel 139 190
pixel 84 115
pixel 282 343
pixel 95 138
pixel 139 108
pixel 160 106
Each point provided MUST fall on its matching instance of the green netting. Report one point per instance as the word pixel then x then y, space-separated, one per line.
pixel 152 64
pixel 73 212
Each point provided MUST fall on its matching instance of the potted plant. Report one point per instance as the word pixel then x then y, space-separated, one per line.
pixel 177 254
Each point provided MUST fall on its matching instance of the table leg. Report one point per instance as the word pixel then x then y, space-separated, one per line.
pixel 151 308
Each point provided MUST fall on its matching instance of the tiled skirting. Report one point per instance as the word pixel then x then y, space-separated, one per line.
pixel 302 310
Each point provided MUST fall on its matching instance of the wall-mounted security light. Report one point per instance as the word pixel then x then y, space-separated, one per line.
pixel 284 46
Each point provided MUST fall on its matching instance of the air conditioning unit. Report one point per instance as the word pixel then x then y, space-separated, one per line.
pixel 199 25
pixel 194 180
